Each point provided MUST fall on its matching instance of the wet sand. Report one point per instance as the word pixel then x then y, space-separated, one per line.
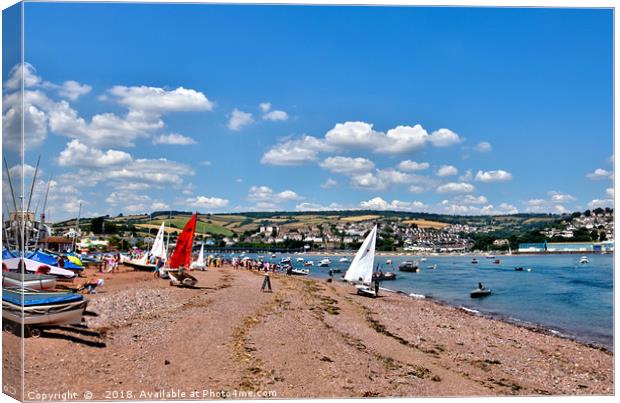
pixel 146 340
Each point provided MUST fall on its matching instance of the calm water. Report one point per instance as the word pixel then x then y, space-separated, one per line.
pixel 559 293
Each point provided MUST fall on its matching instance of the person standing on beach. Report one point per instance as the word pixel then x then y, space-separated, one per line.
pixel 377 281
pixel 266 283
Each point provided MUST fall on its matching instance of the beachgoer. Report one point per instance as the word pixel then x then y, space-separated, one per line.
pixel 377 286
pixel 480 286
pixel 266 283
pixel 61 261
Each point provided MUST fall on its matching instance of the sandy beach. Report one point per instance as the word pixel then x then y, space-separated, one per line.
pixel 225 339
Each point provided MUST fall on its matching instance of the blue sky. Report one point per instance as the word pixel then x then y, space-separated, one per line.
pixel 522 99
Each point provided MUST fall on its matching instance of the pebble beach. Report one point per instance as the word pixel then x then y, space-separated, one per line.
pixel 143 339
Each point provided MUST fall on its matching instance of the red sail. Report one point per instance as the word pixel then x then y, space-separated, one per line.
pixel 183 252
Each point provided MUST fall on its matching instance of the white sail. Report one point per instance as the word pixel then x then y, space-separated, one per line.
pixel 159 247
pixel 361 267
pixel 201 256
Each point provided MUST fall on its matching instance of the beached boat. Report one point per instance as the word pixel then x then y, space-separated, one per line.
pixel 182 255
pixel 409 266
pixel 361 269
pixel 584 260
pixel 158 250
pixel 29 281
pixel 42 308
pixel 33 266
pixel 325 262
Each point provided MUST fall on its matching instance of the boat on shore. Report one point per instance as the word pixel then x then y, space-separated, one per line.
pixel 32 266
pixel 28 281
pixel 360 271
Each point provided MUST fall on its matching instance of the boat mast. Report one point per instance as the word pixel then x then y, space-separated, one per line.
pixel 77 227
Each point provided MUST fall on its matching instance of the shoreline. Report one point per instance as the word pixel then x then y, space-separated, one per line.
pixel 227 335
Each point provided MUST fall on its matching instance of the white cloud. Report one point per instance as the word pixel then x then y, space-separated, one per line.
pixel 158 101
pixel 455 187
pixel 600 173
pixel 207 202
pixel 275 116
pixel 265 106
pixel 26 72
pixel 77 154
pixel 454 207
pixel 557 197
pixel 470 199
pixel 409 165
pixel 329 183
pixel 493 176
pixel 266 198
pixel 483 147
pixel 383 178
pixel 416 189
pixel 158 205
pixel 378 203
pixel 73 90
pixel 174 139
pixel 467 176
pixel 317 207
pixel 346 165
pixel 295 152
pixel 596 203
pixel 610 192
pixel 239 119
pixel 129 201
pixel 447 170
pixel 444 138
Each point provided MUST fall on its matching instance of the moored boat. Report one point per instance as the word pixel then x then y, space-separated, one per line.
pixel 409 266
pixel 584 260
pixel 480 292
pixel 324 262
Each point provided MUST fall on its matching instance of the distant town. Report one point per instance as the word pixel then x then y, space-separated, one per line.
pixel 587 231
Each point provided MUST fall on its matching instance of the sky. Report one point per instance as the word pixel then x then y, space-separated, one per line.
pixel 214 108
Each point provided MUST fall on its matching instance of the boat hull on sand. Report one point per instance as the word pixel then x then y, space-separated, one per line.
pixel 30 281
pixel 140 266
pixel 365 291
pixel 45 315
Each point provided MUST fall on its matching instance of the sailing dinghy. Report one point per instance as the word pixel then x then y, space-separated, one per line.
pixel 199 264
pixel 158 250
pixel 361 268
pixel 181 257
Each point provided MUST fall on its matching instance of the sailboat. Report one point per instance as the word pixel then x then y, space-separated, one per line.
pixel 199 264
pixel 157 250
pixel 181 257
pixel 361 268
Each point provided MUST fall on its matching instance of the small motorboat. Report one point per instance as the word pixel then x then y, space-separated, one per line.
pixel 584 260
pixel 273 256
pixel 285 260
pixel 480 293
pixel 325 262
pixel 389 261
pixel 309 263
pixel 365 291
pixel 299 272
pixel 474 261
pixel 409 266
pixel 519 268
pixel 432 267
pixel 389 275
pixel 496 261
pixel 300 259
pixel 344 260
pixel 423 259
pixel 336 270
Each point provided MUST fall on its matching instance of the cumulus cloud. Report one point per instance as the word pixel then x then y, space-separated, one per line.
pixel 153 100
pixel 206 202
pixel 457 208
pixel 275 116
pixel 558 197
pixel 317 207
pixel 129 201
pixel 456 187
pixel 409 165
pixel 447 170
pixel 346 165
pixel 361 135
pixel 72 90
pixel 77 154
pixel 600 203
pixel 610 192
pixel 493 176
pixel 555 203
pixel 384 178
pixel 239 119
pixel 266 198
pixel 600 173
pixel 329 183
pixel 377 203
pixel 174 139
pixel 158 205
pixel 264 106
pixel 483 147
pixel 295 152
